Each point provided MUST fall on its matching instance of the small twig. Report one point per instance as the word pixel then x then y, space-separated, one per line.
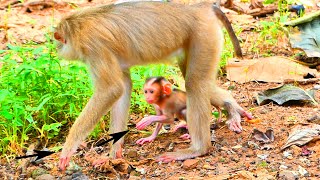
pixel 8 4
pixel 303 82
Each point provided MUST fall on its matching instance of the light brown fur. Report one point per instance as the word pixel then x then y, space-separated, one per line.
pixel 111 39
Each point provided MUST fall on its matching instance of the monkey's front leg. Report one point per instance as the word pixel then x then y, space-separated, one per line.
pixel 99 103
pixel 119 115
pixel 108 89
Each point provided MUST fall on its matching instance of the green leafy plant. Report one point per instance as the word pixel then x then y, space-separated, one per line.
pixel 38 94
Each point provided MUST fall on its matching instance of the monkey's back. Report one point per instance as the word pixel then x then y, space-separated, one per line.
pixel 135 31
pixel 176 103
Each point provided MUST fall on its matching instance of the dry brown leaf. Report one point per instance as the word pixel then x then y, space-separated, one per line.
pixel 302 134
pixel 270 69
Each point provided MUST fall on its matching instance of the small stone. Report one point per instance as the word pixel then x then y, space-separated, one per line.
pixel 283 167
pixel 22 176
pixel 230 152
pixel 237 147
pixel 203 173
pixel 132 154
pixel 48 166
pixel 190 163
pixel 263 156
pixel 288 175
pixel 224 149
pixel 38 172
pixel 287 154
pixel 303 171
pixel 72 168
pixel 264 111
pixel 305 161
pixel 157 173
pixel 253 145
pixel 314 119
pixel 141 170
pixel 171 146
pixel 207 166
pixel 79 176
pixel 267 147
pixel 235 159
pixel 316 87
pixel 45 177
pixel 66 178
pixel 213 136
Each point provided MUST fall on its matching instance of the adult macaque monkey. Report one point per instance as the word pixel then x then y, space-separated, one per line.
pixel 168 103
pixel 110 39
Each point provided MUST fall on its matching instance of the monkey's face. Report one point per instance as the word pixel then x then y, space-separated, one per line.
pixel 152 93
pixel 64 47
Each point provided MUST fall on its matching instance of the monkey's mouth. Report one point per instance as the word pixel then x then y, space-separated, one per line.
pixel 150 101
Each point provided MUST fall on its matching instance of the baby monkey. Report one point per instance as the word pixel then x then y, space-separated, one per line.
pixel 168 104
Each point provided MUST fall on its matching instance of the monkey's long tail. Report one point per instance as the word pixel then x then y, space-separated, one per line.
pixel 223 18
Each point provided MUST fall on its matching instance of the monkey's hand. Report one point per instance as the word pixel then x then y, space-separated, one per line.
pixel 145 122
pixel 145 140
pixel 234 119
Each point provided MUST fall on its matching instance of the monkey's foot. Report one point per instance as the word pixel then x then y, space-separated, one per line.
pixel 145 140
pixel 182 124
pixel 65 159
pixel 100 161
pixel 116 151
pixel 179 155
pixel 185 136
pixel 64 163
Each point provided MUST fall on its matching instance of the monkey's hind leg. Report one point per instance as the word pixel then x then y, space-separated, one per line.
pixel 199 78
pixel 222 98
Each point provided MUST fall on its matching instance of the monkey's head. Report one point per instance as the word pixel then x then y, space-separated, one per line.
pixel 155 89
pixel 65 47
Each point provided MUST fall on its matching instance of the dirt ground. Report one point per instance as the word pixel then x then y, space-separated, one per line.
pixel 232 156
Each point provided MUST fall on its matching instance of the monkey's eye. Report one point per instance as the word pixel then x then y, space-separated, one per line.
pixel 151 91
pixel 145 91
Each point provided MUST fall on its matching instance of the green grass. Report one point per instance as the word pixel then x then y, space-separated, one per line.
pixel 38 94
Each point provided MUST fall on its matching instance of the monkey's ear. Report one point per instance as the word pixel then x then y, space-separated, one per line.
pixel 167 89
pixel 59 38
